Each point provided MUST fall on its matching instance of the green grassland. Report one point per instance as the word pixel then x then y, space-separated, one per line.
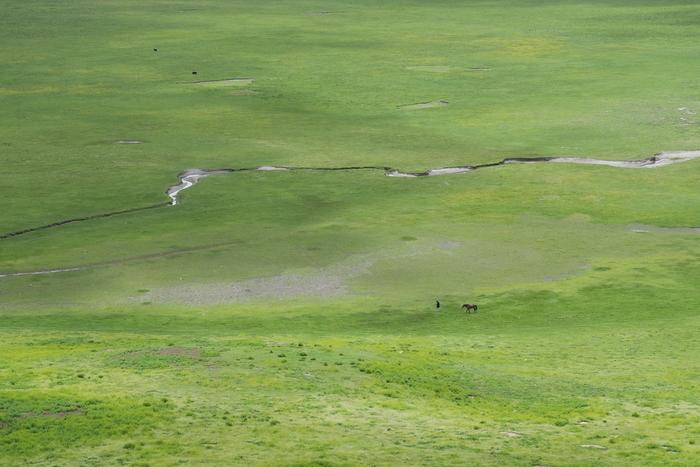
pixel 287 318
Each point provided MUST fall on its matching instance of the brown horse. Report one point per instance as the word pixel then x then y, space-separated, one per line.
pixel 467 307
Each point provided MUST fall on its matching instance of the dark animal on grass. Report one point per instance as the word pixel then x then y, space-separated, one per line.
pixel 194 72
pixel 468 307
pixel 155 50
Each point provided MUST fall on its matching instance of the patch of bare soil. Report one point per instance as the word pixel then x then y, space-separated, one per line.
pixel 330 281
pixel 324 282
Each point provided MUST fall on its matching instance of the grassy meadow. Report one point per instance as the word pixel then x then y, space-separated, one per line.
pixel 287 318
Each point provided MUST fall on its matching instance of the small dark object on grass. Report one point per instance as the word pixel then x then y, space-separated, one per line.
pixel 468 307
pixel 194 72
pixel 437 304
pixel 155 50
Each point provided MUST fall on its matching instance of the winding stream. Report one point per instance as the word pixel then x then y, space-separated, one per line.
pixel 190 177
